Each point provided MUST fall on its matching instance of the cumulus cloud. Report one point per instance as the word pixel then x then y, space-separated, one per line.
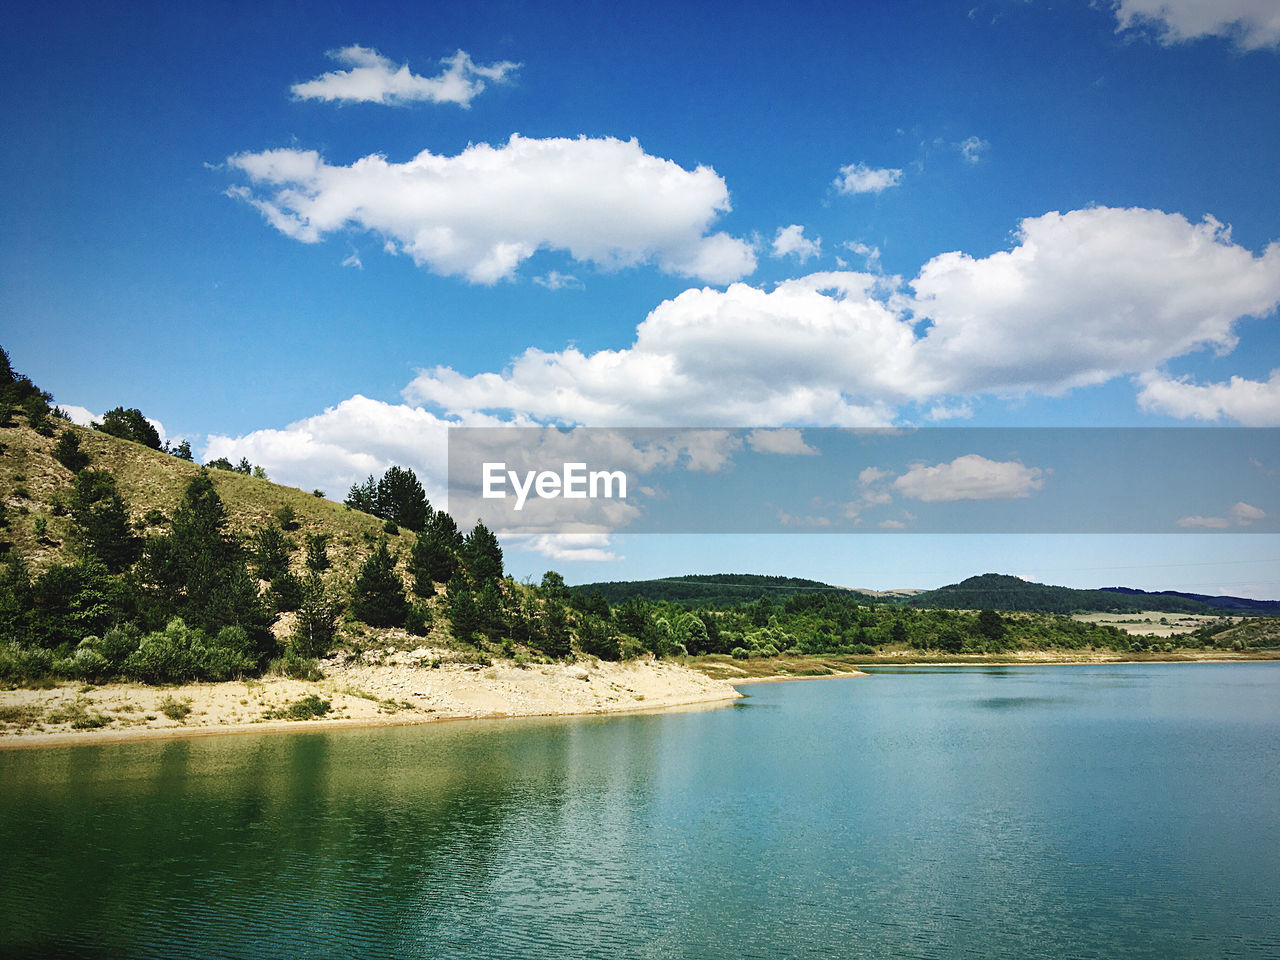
pixel 859 178
pixel 1253 403
pixel 1208 523
pixel 791 241
pixel 555 280
pixel 565 547
pixel 787 441
pixel 973 148
pixel 1250 24
pixel 482 213
pixel 1082 298
pixel 971 477
pixel 344 444
pixel 78 415
pixel 1240 515
pixel 1244 514
pixel 375 79
pixel 1086 296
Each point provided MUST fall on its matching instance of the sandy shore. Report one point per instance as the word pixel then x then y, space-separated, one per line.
pixel 359 695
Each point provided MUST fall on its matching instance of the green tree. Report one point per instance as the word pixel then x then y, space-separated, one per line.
pixel 317 552
pixel 363 497
pixel 129 425
pixel 183 451
pixel 197 572
pixel 463 615
pixel 316 625
pixel 991 625
pixel 482 556
pixel 271 552
pixel 399 497
pixel 378 596
pixel 102 520
pixel 68 452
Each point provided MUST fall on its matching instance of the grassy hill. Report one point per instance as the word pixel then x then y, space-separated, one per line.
pixel 1000 592
pixel 708 590
pixel 34 486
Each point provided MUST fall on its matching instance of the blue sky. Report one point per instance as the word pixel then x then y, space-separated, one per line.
pixel 989 213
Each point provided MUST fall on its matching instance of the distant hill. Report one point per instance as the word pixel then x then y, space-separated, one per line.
pixel 1001 592
pixel 708 590
pixel 1237 605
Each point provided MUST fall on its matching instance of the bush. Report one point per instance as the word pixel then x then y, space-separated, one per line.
pixel 296 666
pixel 287 518
pixel 23 665
pixel 739 653
pixel 68 452
pixel 418 620
pixel 864 650
pixel 175 709
pixel 309 707
pixel 178 654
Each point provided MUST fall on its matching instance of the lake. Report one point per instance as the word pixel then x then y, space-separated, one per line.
pixel 1057 812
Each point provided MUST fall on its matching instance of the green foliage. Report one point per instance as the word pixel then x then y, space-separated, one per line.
pixel 398 497
pixel 310 707
pixel 178 654
pixel 183 451
pixel 197 572
pixel 482 556
pixel 270 552
pixel 316 624
pixel 129 425
pixel 222 463
pixel 68 452
pixel 24 665
pixel 390 528
pixel 103 520
pixel 464 618
pixel 287 518
pixel 418 620
pixel 176 710
pixel 317 552
pixel 434 556
pixel 378 596
pixel 296 666
pixel 286 592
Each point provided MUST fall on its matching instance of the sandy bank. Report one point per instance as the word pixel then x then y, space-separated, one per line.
pixel 360 695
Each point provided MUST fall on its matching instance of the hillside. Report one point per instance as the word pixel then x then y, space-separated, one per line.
pixel 34 485
pixel 707 590
pixel 1000 592
pixel 1223 604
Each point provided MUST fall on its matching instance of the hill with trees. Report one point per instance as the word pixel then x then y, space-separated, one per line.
pixel 1000 592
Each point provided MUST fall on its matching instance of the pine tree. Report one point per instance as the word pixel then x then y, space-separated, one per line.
pixel 129 425
pixel 482 556
pixel 378 596
pixel 103 521
pixel 316 625
pixel 401 499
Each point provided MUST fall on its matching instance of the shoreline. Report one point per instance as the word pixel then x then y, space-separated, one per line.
pixel 361 697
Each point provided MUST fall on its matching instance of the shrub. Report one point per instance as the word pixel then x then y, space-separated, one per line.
pixel 390 528
pixel 418 620
pixel 864 650
pixel 68 452
pixel 318 552
pixel 24 665
pixel 175 709
pixel 739 653
pixel 287 518
pixel 296 666
pixel 77 714
pixel 308 708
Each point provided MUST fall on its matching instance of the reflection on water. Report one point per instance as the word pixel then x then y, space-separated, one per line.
pixel 1019 812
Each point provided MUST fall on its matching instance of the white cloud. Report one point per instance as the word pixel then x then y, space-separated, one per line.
pixel 787 441
pixel 1086 296
pixel 344 444
pixel 79 415
pixel 567 547
pixel 1240 515
pixel 375 79
pixel 1251 24
pixel 485 211
pixel 973 148
pixel 353 260
pixel 791 241
pixel 859 178
pixel 555 280
pixel 971 477
pixel 1244 514
pixel 872 475
pixel 1252 403
pixel 732 357
pixel 941 411
pixel 1082 298
pixel 1209 523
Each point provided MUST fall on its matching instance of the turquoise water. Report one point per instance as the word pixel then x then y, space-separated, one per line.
pixel 1120 811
